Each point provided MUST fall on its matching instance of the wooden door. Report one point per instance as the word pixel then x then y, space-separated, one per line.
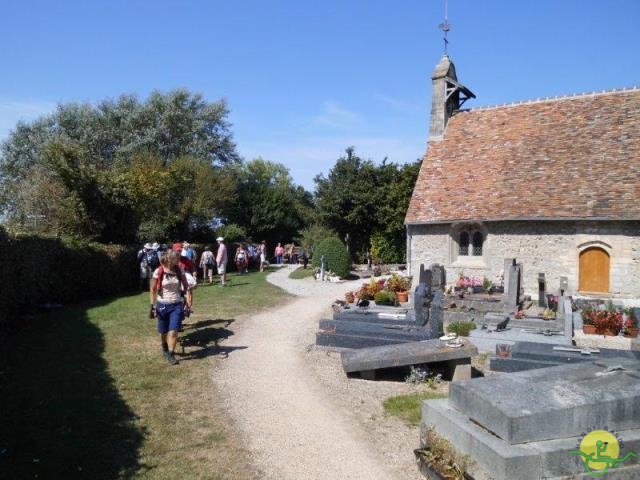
pixel 594 270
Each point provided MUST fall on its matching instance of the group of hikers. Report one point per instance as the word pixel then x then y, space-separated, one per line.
pixel 172 275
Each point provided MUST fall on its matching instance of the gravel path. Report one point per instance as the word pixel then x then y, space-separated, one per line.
pixel 300 417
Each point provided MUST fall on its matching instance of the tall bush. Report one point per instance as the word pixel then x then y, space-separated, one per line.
pixel 42 271
pixel 336 255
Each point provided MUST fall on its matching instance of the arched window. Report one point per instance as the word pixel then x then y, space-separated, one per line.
pixel 477 244
pixel 463 243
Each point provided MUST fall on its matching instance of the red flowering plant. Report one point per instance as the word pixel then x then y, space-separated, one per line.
pixel 368 290
pixel 630 321
pixel 608 320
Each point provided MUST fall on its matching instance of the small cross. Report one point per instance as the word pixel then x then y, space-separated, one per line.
pixel 445 26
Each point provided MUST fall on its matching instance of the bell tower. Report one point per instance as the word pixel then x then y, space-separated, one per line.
pixel 447 95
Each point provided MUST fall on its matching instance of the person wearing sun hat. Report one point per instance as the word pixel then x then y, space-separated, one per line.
pixel 221 261
pixel 143 263
pixel 188 252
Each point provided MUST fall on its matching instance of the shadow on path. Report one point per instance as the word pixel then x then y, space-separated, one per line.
pixel 202 339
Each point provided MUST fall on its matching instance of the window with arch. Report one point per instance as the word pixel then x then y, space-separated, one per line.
pixel 463 244
pixel 477 242
pixel 470 243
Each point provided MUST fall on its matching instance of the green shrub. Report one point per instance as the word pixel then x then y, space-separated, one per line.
pixel 55 271
pixel 461 327
pixel 311 236
pixel 385 298
pixel 335 254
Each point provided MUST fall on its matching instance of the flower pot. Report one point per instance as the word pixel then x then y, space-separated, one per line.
pixel 609 333
pixel 589 329
pixel 631 332
pixel 402 296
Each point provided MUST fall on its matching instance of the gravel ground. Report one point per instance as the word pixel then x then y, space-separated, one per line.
pixel 298 414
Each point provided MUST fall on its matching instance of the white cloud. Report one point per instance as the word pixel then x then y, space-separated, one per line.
pixel 336 116
pixel 12 111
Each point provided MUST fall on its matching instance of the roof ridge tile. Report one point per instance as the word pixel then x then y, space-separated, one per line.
pixel 569 96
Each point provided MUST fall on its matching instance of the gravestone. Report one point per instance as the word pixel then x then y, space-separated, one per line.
pixel 424 276
pixel 524 425
pixel 560 307
pixel 508 262
pixel 568 317
pixel 513 289
pixel 419 297
pixel 434 324
pixel 564 285
pixel 520 280
pixel 531 355
pixel 413 353
pixel 541 290
pixel 438 277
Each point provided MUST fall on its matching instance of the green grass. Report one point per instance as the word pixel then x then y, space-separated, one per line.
pixel 86 392
pixel 409 407
pixel 301 273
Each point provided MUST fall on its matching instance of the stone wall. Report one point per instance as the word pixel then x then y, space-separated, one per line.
pixel 551 247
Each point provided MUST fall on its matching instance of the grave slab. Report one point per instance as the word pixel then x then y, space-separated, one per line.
pixel 411 353
pixel 555 402
pixel 494 458
pixel 530 355
pixel 350 341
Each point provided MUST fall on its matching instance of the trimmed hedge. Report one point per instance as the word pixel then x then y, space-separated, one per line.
pixel 39 271
pixel 336 255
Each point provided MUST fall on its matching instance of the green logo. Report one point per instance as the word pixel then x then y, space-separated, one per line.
pixel 600 450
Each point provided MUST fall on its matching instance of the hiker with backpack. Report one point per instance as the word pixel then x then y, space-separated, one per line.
pixel 170 298
pixel 207 261
pixel 148 261
pixel 190 272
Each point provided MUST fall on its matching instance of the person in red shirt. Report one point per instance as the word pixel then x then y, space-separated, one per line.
pixel 187 266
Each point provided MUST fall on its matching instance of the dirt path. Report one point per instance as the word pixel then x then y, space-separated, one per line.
pixel 298 414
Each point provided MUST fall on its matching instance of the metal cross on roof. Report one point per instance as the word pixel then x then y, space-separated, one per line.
pixel 445 26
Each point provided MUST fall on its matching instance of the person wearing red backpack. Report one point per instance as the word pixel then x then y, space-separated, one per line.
pixel 169 298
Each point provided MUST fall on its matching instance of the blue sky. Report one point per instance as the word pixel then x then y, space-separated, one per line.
pixel 304 80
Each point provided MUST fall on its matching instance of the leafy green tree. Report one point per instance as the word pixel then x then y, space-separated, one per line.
pixel 347 200
pixel 361 199
pixel 84 175
pixel 397 183
pixel 269 205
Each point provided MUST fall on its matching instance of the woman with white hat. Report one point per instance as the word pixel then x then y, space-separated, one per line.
pixel 221 261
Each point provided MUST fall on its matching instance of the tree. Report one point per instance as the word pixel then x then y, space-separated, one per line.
pixel 348 198
pixel 83 169
pixel 269 205
pixel 367 201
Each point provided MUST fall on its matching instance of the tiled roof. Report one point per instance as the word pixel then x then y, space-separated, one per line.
pixel 567 158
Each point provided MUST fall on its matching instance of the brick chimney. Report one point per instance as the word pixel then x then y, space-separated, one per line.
pixel 447 96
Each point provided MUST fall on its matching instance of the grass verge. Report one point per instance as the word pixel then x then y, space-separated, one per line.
pixel 86 392
pixel 301 273
pixel 409 407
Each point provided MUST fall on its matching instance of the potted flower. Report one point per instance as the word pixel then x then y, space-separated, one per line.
pixel 587 321
pixel 400 286
pixel 385 298
pixel 608 322
pixel 487 285
pixel 349 297
pixel 630 323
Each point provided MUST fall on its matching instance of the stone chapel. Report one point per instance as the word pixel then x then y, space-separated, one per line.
pixel 553 183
